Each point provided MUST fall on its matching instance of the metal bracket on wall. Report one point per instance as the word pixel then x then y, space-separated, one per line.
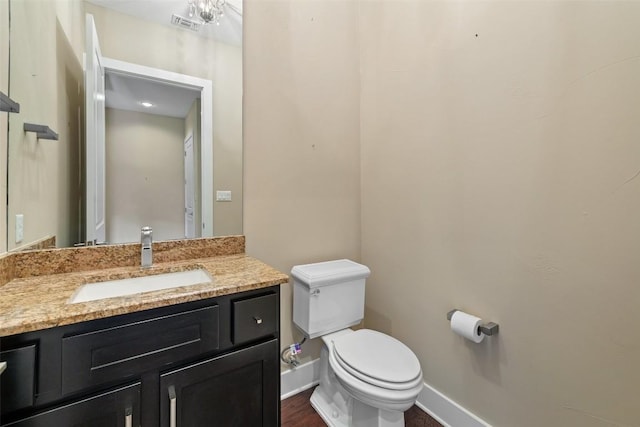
pixel 9 105
pixel 44 132
pixel 490 328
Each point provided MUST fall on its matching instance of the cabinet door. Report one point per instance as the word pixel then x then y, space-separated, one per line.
pixel 17 383
pixel 238 389
pixel 117 408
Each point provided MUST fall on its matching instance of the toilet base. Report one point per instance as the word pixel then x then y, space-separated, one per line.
pixel 331 413
pixel 355 414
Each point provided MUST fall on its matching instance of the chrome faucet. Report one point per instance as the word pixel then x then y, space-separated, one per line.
pixel 146 238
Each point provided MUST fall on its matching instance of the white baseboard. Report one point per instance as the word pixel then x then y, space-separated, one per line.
pixel 446 411
pixel 440 407
pixel 299 379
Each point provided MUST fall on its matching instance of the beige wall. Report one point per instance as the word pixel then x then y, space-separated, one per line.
pixel 140 42
pixel 145 175
pixel 4 88
pixel 70 17
pixel 499 176
pixel 301 136
pixel 227 141
pixel 46 79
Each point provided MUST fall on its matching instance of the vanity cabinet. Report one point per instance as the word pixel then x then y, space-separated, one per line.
pixel 193 364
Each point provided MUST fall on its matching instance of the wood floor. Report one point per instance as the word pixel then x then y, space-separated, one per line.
pixel 298 412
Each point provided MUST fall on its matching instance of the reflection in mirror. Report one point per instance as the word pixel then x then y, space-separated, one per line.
pixel 145 146
pixel 176 197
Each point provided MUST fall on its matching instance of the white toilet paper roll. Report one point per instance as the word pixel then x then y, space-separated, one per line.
pixel 466 326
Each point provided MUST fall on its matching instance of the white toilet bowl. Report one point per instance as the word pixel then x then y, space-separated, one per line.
pixel 367 378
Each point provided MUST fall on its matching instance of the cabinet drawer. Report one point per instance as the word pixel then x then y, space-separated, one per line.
pixel 17 382
pixel 112 354
pixel 254 318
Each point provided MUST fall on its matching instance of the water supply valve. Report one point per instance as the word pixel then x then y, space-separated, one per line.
pixel 290 354
pixel 295 349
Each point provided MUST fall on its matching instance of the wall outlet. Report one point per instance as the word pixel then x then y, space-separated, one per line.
pixel 223 196
pixel 19 228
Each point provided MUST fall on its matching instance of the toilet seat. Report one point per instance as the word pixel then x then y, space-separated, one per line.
pixel 384 395
pixel 377 359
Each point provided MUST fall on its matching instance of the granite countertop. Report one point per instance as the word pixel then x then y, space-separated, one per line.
pixel 40 302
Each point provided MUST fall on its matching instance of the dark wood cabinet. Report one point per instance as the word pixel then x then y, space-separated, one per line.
pixel 240 389
pixel 209 362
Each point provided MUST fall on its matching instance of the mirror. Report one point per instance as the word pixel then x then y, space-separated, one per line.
pixel 144 180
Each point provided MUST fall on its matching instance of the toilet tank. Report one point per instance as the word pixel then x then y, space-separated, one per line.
pixel 328 296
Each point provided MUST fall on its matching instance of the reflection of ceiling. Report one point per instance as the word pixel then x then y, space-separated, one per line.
pixel 125 92
pixel 229 31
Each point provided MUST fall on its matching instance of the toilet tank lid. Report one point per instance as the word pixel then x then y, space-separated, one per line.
pixel 329 272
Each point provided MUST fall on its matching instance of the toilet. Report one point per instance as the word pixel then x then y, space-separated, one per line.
pixel 367 378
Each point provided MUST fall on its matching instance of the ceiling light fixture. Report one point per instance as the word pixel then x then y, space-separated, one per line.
pixel 146 104
pixel 207 10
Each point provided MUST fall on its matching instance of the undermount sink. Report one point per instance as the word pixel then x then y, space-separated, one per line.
pixel 137 285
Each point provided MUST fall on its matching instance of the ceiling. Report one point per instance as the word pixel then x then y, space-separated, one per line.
pixel 126 92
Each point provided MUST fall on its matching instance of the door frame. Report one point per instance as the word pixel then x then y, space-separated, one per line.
pixel 189 191
pixel 206 126
pixel 95 194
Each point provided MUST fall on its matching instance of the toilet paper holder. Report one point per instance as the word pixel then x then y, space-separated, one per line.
pixel 490 328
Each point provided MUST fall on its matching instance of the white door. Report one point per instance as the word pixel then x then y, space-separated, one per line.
pixel 189 189
pixel 95 161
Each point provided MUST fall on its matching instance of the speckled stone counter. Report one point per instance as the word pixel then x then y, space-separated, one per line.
pixel 37 297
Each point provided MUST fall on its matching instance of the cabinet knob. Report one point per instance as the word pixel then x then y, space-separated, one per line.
pixel 257 319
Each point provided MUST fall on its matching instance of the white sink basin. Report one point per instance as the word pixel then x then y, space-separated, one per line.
pixel 136 285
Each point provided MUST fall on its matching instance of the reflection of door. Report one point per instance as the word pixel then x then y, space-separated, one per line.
pixel 189 189
pixel 95 161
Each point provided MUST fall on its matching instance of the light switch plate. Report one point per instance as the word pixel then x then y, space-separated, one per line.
pixel 223 196
pixel 19 228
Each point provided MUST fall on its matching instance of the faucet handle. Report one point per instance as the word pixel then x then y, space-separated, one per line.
pixel 146 232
